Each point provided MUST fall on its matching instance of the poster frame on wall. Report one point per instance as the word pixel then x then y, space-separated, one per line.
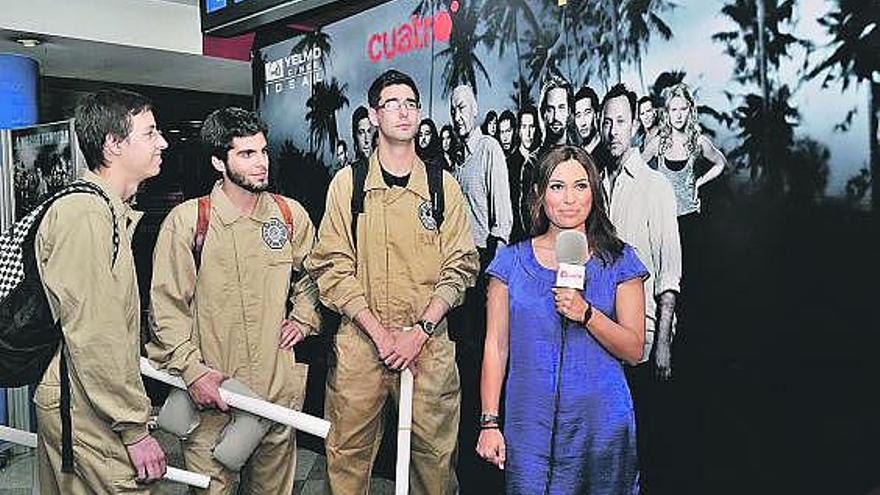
pixel 71 160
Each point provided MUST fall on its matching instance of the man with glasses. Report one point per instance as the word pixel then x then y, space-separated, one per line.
pixel 389 267
pixel 94 295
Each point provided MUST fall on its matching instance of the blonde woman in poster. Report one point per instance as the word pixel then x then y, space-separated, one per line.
pixel 677 147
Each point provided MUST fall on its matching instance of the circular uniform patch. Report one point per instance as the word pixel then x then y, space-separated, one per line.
pixel 426 215
pixel 275 233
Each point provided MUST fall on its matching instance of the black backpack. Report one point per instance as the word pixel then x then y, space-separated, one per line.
pixel 29 335
pixel 359 178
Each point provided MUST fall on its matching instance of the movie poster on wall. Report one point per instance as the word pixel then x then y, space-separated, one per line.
pixel 310 86
pixel 43 159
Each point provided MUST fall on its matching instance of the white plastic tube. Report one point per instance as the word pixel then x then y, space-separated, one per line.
pixel 301 421
pixel 18 437
pixel 29 439
pixel 404 431
pixel 187 477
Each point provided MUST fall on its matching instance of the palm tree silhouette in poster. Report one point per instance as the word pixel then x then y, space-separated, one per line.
pixel 766 121
pixel 427 8
pixel 586 40
pixel 307 45
pixel 462 62
pixel 856 57
pixel 326 100
pixel 502 29
pixel 642 20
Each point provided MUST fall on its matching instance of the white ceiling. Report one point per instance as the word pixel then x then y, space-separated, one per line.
pixel 99 52
pixel 95 61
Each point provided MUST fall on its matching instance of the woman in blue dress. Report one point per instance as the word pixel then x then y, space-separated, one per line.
pixel 569 426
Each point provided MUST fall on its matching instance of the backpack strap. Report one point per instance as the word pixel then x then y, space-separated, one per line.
pixel 285 212
pixel 201 229
pixel 88 187
pixel 435 191
pixel 359 179
pixel 64 409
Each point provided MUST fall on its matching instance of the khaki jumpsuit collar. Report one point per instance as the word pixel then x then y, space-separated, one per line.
pixel 228 213
pixel 121 209
pixel 418 179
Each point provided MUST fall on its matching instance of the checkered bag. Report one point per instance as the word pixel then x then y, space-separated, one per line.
pixel 29 335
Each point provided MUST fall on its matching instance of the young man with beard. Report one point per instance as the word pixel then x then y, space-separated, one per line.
pixel 642 207
pixel 392 266
pixel 221 309
pixel 95 298
pixel 556 106
pixel 341 155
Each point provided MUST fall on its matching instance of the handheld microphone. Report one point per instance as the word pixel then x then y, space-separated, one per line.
pixel 571 254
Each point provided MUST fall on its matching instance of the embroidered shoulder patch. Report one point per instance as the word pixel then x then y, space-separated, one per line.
pixel 275 233
pixel 426 215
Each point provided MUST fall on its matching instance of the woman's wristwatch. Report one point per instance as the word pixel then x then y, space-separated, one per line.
pixel 489 421
pixel 588 313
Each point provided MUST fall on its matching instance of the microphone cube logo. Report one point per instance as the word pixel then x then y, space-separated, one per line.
pixel 274 70
pixel 570 276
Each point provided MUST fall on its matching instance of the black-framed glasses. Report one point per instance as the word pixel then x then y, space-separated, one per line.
pixel 393 104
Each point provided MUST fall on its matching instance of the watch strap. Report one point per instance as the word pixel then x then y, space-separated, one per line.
pixel 427 326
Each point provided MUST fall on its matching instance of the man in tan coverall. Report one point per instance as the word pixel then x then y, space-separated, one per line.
pixel 97 303
pixel 228 316
pixel 401 272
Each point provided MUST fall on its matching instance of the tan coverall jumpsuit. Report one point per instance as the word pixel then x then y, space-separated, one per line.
pixel 227 316
pixel 98 306
pixel 399 265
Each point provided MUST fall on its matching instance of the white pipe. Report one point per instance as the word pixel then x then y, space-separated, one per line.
pixel 404 431
pixel 301 421
pixel 18 437
pixel 28 439
pixel 187 477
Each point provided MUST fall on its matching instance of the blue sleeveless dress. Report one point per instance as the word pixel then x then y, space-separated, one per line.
pixel 578 438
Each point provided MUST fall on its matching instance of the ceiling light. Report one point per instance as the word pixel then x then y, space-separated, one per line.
pixel 28 42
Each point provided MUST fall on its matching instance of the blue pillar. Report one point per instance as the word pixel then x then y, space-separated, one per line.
pixel 19 87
